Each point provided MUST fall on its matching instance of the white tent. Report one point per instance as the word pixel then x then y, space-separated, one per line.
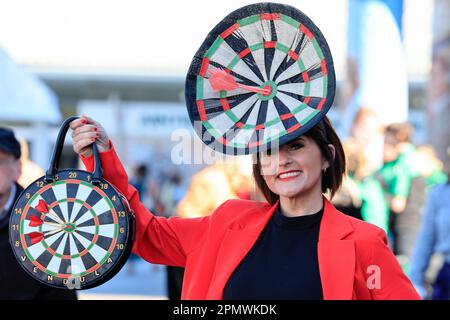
pixel 26 100
pixel 23 97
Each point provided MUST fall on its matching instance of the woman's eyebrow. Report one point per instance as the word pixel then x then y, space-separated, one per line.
pixel 299 139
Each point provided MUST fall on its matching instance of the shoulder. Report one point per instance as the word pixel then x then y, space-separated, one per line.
pixel 439 190
pixel 365 230
pixel 243 206
pixel 364 233
pixel 240 209
pixel 366 238
pixel 439 195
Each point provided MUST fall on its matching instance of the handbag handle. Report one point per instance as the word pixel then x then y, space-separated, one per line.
pixel 54 164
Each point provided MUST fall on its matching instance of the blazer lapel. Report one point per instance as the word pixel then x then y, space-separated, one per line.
pixel 236 243
pixel 336 255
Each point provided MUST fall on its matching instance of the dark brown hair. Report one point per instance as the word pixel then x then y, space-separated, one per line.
pixel 322 134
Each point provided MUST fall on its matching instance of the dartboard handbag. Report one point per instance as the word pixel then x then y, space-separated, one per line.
pixel 71 228
pixel 263 76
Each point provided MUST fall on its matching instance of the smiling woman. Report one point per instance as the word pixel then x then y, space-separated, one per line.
pixel 264 77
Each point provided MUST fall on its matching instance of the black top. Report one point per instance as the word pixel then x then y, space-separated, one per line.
pixel 283 262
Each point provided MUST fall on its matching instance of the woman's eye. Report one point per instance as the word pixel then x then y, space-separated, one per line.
pixel 296 146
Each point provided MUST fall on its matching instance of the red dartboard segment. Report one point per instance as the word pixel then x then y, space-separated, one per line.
pixel 319 107
pixel 262 46
pixel 270 44
pixel 305 76
pixel 294 127
pixel 293 55
pixel 204 67
pixel 201 110
pixel 225 104
pixel 244 52
pixel 229 31
pixel 286 116
pixel 270 16
pixel 324 67
pixel 306 31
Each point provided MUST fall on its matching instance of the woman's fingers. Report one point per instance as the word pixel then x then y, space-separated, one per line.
pixel 86 135
pixel 78 122
pixel 83 135
pixel 82 146
pixel 86 131
pixel 89 120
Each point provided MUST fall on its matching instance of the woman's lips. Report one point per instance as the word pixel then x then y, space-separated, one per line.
pixel 288 175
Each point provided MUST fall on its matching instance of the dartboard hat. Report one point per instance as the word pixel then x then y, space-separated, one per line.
pixel 262 77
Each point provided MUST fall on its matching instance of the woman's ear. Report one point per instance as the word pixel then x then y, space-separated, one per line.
pixel 333 154
pixel 333 150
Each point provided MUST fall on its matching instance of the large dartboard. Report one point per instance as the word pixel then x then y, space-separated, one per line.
pixel 261 46
pixel 70 232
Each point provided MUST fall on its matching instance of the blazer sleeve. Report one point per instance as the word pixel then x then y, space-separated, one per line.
pixel 159 240
pixel 387 281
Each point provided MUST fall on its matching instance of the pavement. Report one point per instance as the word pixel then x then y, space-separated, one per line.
pixel 138 280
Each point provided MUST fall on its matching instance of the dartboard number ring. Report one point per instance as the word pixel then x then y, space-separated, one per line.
pixel 70 232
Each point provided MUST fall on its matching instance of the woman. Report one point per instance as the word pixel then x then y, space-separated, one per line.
pixel 295 246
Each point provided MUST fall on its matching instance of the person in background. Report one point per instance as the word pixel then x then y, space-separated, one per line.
pixel 433 238
pixel 30 170
pixel 362 188
pixel 438 91
pixel 397 173
pixel 140 179
pixel 172 191
pixel 367 131
pixel 15 284
pixel 364 151
pixel 430 173
pixel 348 198
pixel 434 234
pixel 215 184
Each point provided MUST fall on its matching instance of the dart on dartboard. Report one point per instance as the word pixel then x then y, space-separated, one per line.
pixel 35 221
pixel 36 237
pixel 221 80
pixel 42 207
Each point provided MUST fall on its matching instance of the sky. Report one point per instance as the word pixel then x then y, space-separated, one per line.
pixel 134 35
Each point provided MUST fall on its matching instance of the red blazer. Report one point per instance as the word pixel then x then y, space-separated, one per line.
pixel 354 260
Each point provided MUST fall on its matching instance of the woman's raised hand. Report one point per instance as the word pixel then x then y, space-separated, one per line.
pixel 85 131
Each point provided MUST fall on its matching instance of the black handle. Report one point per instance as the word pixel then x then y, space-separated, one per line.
pixel 54 164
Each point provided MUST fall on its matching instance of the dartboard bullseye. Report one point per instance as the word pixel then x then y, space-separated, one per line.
pixel 264 75
pixel 71 232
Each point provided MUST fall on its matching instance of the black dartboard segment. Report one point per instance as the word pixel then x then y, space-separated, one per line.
pixel 263 45
pixel 71 233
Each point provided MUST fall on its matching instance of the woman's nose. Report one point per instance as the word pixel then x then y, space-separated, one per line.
pixel 283 158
